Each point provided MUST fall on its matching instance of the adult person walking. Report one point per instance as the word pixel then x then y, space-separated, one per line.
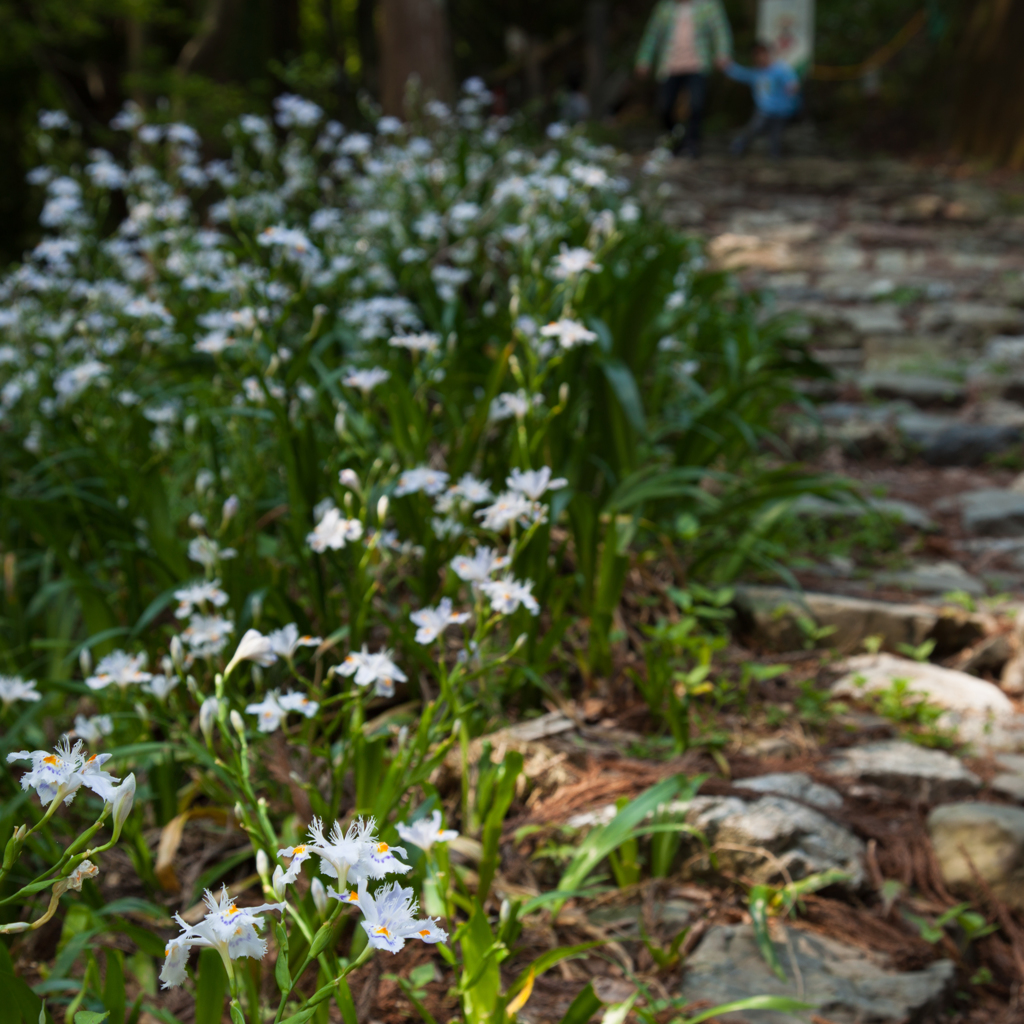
pixel 683 42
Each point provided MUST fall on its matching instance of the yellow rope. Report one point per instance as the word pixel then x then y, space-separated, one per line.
pixel 828 73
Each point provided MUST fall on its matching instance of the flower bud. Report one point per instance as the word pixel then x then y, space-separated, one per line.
pixel 228 510
pixel 278 882
pixel 14 845
pixel 257 676
pixel 349 478
pixel 85 661
pixel 382 509
pixel 237 723
pixel 207 716
pixel 505 912
pixel 563 392
pixel 256 607
pixel 193 686
pixel 319 894
pixel 177 652
pixel 124 797
pixel 339 423
pixel 263 865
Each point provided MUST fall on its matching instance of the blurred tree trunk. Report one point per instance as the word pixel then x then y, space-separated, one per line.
pixel 414 40
pixel 990 110
pixel 201 52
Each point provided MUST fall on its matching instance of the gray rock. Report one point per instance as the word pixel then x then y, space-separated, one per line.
pixel 906 512
pixel 1005 350
pixel 955 691
pixel 978 316
pixel 916 388
pixel 794 784
pixel 927 775
pixel 1009 785
pixel 988 836
pixel 978 711
pixel 933 578
pixel 844 984
pixel 801 840
pixel 1010 782
pixel 878 318
pixel 945 441
pixel 993 512
pixel 770 615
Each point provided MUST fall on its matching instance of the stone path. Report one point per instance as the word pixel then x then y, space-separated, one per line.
pixel 909 284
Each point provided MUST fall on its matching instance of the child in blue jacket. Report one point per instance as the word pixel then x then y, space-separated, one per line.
pixel 776 91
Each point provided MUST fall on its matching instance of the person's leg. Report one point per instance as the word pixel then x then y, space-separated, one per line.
pixel 775 128
pixel 748 133
pixel 669 94
pixel 698 86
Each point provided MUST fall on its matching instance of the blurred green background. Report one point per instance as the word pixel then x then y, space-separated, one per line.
pixel 206 60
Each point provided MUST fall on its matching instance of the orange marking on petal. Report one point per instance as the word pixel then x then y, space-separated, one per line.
pixel 298 850
pixel 51 759
pixel 382 931
pixel 383 847
pixel 424 931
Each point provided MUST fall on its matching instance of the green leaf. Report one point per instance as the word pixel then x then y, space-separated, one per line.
pixel 603 840
pixel 618 1013
pixel 26 1005
pixel 301 1017
pixel 346 1004
pixel 211 989
pixel 624 387
pixel 548 960
pixel 781 1003
pixel 90 1017
pixel 480 966
pixel 760 897
pixel 583 1007
pixel 504 791
pixel 113 988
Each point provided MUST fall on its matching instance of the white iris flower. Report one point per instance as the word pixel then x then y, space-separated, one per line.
pixel 425 832
pixel 61 774
pixel 228 928
pixel 432 622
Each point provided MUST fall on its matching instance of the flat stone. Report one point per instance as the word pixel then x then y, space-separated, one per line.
pixel 978 315
pixel 946 441
pixel 895 353
pixel 794 784
pixel 991 836
pixel 812 506
pixel 933 578
pixel 955 691
pixel 978 711
pixel 770 615
pixel 1010 785
pixel 801 839
pixel 912 771
pixel 914 387
pixel 993 512
pixel 845 984
pixel 1005 350
pixel 877 318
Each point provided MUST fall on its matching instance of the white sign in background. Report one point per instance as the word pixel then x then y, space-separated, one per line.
pixel 789 26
